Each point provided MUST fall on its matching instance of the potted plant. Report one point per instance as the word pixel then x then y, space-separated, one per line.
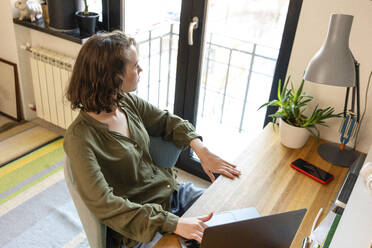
pixel 294 127
pixel 86 20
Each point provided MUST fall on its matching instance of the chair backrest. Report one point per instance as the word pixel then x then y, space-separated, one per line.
pixel 94 229
pixel 163 153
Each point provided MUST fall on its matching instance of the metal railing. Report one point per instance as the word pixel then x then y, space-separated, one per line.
pixel 168 52
pixel 209 61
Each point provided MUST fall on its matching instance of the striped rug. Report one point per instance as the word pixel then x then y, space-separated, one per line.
pixel 36 209
pixel 23 139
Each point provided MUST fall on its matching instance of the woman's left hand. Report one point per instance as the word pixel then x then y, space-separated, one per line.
pixel 212 163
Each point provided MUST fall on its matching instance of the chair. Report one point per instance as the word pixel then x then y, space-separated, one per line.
pixel 163 153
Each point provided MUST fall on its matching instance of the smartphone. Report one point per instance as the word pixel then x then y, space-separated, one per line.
pixel 312 171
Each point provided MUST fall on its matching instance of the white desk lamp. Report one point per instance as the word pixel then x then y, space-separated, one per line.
pixel 335 65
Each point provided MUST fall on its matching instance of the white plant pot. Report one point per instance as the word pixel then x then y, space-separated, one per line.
pixel 291 136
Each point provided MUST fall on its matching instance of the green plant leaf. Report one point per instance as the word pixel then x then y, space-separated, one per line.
pixel 280 90
pixel 299 91
pixel 284 91
pixel 316 133
pixel 292 104
pixel 86 7
pixel 272 103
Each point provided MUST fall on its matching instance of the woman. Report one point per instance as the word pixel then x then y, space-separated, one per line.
pixel 108 142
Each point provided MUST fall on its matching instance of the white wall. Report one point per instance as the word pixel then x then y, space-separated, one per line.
pixel 13 36
pixel 311 33
pixel 8 48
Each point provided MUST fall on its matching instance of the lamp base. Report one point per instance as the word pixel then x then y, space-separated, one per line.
pixel 332 153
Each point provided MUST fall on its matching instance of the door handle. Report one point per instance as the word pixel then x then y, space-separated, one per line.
pixel 193 25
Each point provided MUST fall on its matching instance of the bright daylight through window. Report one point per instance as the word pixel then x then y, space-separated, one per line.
pixel 242 42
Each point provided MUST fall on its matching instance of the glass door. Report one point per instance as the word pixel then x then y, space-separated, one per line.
pixel 170 65
pixel 156 30
pixel 241 49
pixel 213 63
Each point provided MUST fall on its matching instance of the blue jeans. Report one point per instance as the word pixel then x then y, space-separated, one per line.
pixel 181 200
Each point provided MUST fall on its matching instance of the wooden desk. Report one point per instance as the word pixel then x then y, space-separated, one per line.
pixel 270 184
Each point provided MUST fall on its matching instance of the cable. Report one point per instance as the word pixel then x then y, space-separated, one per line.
pixel 316 219
pixel 365 109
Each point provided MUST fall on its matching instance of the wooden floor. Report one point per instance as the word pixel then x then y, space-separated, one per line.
pixel 4 119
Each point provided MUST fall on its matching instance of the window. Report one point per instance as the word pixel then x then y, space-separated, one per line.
pixel 241 49
pixel 95 6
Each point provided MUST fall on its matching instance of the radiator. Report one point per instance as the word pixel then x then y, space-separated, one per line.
pixel 51 72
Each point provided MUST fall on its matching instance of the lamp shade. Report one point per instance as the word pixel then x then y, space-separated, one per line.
pixel 333 64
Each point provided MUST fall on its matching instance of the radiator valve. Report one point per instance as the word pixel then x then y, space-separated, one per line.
pixel 32 106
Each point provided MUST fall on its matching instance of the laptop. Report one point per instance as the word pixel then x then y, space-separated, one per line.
pixel 245 228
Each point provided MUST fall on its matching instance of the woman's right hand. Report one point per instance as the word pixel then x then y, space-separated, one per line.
pixel 192 227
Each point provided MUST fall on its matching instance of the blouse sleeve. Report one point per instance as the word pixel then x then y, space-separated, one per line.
pixel 135 221
pixel 162 123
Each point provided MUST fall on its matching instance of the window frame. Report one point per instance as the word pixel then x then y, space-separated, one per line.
pixel 112 15
pixel 187 77
pixel 289 33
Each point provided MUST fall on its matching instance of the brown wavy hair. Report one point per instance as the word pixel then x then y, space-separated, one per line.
pixel 98 73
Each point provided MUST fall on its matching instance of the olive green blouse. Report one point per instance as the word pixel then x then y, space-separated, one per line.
pixel 115 175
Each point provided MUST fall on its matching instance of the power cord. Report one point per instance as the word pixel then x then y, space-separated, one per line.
pixel 364 111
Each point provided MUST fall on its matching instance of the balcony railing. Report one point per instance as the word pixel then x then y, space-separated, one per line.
pixel 158 57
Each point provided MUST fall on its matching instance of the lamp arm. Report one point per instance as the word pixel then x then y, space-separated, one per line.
pixel 357 86
pixel 357 89
pixel 346 100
